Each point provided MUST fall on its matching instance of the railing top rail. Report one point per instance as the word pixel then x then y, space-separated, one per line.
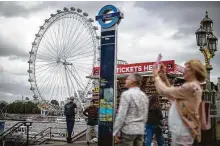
pixel 42 131
pixel 13 128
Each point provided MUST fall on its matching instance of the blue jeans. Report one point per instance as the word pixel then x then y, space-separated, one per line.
pixel 69 125
pixel 150 131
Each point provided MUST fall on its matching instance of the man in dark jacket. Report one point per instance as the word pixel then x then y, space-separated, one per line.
pixel 92 124
pixel 70 110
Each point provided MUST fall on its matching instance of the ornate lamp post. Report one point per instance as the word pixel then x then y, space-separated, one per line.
pixel 207 42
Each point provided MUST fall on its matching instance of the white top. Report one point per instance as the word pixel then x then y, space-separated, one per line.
pixel 175 122
pixel 132 113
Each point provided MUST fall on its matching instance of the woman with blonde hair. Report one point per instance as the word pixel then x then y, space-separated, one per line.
pixel 184 121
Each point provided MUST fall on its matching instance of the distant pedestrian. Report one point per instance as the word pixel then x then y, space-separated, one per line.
pixel 184 118
pixel 154 124
pixel 70 110
pixel 132 113
pixel 91 113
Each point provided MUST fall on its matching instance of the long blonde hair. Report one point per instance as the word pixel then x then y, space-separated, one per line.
pixel 198 68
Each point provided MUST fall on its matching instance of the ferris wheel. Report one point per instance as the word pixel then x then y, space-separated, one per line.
pixel 63 54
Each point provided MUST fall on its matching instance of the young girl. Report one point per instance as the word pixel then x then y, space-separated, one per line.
pixel 183 118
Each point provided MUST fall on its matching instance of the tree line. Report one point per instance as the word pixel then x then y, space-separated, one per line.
pixel 21 107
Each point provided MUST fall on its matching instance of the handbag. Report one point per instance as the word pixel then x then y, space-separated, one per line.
pixel 204 114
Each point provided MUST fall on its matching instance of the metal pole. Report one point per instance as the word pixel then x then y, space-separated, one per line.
pixel 27 135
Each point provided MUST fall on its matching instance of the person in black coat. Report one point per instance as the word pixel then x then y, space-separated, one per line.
pixel 153 125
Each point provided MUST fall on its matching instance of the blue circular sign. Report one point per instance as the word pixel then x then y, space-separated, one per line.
pixel 113 17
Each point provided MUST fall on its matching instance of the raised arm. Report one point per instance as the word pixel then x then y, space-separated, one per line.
pixel 180 92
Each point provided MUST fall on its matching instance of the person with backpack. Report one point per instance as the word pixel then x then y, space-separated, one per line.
pixel 184 116
pixel 70 110
pixel 91 113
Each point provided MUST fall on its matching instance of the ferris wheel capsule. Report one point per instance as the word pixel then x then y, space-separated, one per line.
pixel 79 10
pixel 72 9
pixel 91 20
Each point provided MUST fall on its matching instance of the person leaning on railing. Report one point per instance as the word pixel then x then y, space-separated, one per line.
pixel 184 122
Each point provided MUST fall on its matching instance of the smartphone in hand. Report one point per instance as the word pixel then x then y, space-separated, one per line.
pixel 158 62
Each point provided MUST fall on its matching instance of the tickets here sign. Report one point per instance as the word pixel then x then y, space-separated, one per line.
pixel 138 67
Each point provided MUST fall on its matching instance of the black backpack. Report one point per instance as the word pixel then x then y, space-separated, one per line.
pixel 69 110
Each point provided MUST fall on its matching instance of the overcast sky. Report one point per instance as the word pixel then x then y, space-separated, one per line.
pixel 148 28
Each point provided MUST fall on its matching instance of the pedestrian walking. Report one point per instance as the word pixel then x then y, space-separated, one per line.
pixel 91 113
pixel 184 118
pixel 70 110
pixel 132 113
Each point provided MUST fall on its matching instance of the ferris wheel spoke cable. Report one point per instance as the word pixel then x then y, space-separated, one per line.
pixel 47 82
pixel 59 47
pixel 41 70
pixel 84 53
pixel 71 72
pixel 82 46
pixel 79 39
pixel 83 70
pixel 82 63
pixel 64 34
pixel 67 38
pixel 83 49
pixel 79 57
pixel 59 79
pixel 76 72
pixel 44 65
pixel 43 57
pixel 82 66
pixel 45 53
pixel 56 37
pixel 52 84
pixel 71 75
pixel 81 32
pixel 68 87
pixel 49 86
pixel 74 36
pixel 43 77
pixel 79 98
pixel 70 36
pixel 63 83
pixel 50 48
pixel 54 42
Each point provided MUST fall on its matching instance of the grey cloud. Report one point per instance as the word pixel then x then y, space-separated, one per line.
pixel 15 88
pixel 9 49
pixel 12 9
pixel 187 14
pixel 1 68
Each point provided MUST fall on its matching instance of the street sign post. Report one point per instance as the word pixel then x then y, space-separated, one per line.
pixel 108 17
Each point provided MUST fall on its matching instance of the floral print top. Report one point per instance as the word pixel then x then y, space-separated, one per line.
pixel 188 98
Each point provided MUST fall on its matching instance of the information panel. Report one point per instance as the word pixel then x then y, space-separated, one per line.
pixel 108 64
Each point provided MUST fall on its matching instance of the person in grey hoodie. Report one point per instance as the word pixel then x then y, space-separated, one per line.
pixel 132 113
